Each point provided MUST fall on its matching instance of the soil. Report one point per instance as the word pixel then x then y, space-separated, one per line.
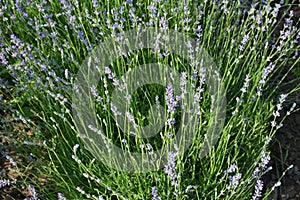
pixel 285 152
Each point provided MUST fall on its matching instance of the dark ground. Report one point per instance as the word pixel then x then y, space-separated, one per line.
pixel 285 152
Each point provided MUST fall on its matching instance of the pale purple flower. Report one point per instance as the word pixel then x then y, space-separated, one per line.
pixel 170 100
pixel 100 197
pixel 155 195
pixel 246 84
pixel 80 190
pixel 127 97
pixel 75 147
pixel 232 168
pixel 7 182
pixel 32 192
pixel 288 112
pixel 170 121
pixel 276 113
pixel 94 91
pixel 114 109
pixel 273 124
pixel 148 147
pixel 234 181
pixel 129 116
pixel 243 42
pixel 258 190
pixel 163 23
pixel 262 167
pixel 150 150
pixel 76 159
pixel 282 98
pixel 61 196
pixel 265 159
pixel 266 71
pixel 170 170
pixel 95 3
pixel 183 82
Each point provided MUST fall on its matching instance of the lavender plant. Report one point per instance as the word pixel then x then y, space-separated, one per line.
pixel 43 43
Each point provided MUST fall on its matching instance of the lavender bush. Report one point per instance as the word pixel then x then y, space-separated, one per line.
pixel 43 43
